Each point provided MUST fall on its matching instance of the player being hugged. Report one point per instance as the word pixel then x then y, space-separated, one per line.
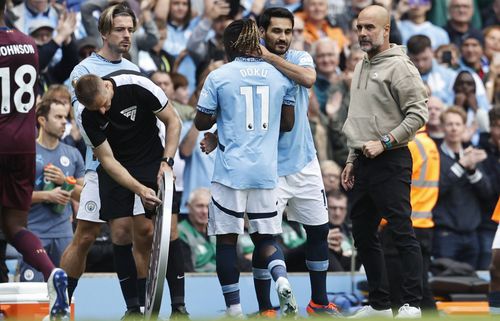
pixel 251 102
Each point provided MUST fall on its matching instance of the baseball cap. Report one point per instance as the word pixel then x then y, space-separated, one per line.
pixel 473 34
pixel 38 24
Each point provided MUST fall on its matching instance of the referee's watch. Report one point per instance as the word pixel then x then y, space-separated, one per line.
pixel 386 141
pixel 168 160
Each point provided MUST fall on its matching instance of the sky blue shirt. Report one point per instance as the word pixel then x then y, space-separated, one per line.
pixel 440 80
pixel 436 34
pixel 198 168
pixel 247 95
pixel 98 65
pixel 177 37
pixel 296 148
pixel 42 219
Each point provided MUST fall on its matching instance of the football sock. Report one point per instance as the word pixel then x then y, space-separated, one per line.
pixel 494 302
pixel 228 273
pixel 317 261
pixel 141 291
pixel 72 283
pixel 127 273
pixel 261 280
pixel 30 246
pixel 175 273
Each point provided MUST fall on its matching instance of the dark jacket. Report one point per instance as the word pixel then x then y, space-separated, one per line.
pixel 460 194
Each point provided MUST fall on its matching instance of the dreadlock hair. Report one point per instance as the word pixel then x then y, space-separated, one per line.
pixel 241 38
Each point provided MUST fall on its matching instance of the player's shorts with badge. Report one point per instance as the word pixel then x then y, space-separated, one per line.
pixel 229 206
pixel 90 202
pixel 303 196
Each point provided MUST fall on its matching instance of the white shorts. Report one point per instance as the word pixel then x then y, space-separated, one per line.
pixel 303 196
pixel 496 240
pixel 228 207
pixel 90 203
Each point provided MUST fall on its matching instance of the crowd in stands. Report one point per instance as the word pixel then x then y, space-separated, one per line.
pixel 455 45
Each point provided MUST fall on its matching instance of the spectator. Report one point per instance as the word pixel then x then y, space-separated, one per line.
pixel 472 52
pixel 492 19
pixel 492 43
pixel 416 23
pixel 299 40
pixel 199 248
pixel 439 78
pixel 448 55
pixel 180 24
pixel 317 25
pixel 331 175
pixel 203 47
pixel 462 188
pixel 85 47
pixel 157 58
pixel 339 237
pixel 55 161
pixel 326 55
pixel 71 136
pixel 490 142
pixel 181 92
pixel 29 11
pixel 459 23
pixel 492 83
pixel 466 97
pixel 434 128
pixel 54 69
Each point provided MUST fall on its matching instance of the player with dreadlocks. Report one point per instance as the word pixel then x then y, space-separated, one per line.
pixel 251 102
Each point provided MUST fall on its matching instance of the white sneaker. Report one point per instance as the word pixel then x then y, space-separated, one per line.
pixel 235 312
pixel 368 312
pixel 288 304
pixel 409 312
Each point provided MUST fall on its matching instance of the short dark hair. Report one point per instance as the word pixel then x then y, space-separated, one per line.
pixel 241 38
pixel 337 194
pixel 275 12
pixel 87 88
pixel 494 114
pixel 43 108
pixel 105 24
pixel 417 44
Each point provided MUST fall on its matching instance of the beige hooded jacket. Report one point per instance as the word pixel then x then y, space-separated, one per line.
pixel 387 97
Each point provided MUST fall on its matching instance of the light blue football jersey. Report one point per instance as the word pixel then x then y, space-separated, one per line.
pixel 97 65
pixel 247 95
pixel 296 148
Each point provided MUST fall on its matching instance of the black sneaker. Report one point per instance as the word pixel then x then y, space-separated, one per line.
pixel 179 313
pixel 133 314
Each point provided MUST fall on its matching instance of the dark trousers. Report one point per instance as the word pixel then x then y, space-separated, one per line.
pixel 458 246
pixel 394 268
pixel 382 189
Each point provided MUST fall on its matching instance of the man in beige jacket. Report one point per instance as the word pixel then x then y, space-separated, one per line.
pixel 387 107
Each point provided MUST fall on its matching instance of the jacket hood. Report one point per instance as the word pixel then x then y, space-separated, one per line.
pixel 394 50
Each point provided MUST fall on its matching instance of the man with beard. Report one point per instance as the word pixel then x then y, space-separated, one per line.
pixel 300 181
pixel 388 106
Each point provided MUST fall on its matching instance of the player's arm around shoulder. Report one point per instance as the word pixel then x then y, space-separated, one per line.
pixel 288 109
pixel 303 73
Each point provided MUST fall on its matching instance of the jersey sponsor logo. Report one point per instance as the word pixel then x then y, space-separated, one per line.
pixel 130 112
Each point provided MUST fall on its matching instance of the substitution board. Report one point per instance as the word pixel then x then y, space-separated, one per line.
pixel 159 252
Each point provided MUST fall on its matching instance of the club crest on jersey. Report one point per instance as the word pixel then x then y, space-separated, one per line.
pixel 130 112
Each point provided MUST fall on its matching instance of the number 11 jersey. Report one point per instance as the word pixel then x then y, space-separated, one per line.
pixel 247 95
pixel 18 75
